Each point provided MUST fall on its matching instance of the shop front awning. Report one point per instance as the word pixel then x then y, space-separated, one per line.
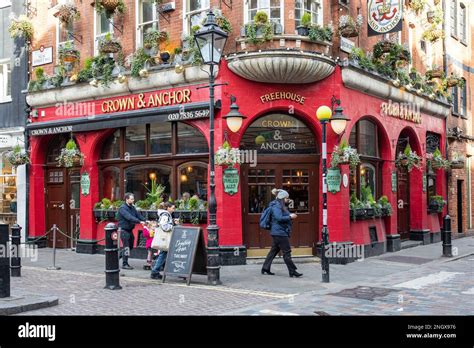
pixel 186 112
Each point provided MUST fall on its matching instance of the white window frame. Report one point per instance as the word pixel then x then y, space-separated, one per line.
pixel 188 14
pixel 247 20
pixel 5 98
pixel 96 36
pixel 463 23
pixel 138 15
pixel 59 44
pixel 320 13
pixel 5 3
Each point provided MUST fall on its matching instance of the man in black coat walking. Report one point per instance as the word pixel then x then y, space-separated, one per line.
pixel 128 217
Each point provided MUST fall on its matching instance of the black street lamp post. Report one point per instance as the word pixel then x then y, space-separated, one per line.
pixel 338 125
pixel 211 41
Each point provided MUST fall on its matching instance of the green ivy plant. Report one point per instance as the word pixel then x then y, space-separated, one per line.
pixel 318 33
pixel 153 38
pixel 138 61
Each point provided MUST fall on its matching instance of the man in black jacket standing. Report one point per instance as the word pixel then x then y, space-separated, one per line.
pixel 128 217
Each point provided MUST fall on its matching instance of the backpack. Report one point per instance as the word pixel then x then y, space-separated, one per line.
pixel 266 219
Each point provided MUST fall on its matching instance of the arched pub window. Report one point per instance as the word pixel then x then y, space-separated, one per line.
pixel 364 137
pixel 134 156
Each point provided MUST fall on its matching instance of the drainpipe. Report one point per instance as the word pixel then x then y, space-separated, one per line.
pixel 445 69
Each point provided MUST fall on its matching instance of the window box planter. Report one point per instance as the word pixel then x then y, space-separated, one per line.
pixel 433 208
pixel 436 73
pixel 302 30
pixel 370 212
pixel 385 212
pixel 187 216
pixel 360 213
pixel 457 164
pixel 98 214
pixel 111 214
pixel 151 214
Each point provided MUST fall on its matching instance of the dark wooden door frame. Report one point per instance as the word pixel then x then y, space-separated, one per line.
pixel 406 234
pixel 459 209
pixel 282 161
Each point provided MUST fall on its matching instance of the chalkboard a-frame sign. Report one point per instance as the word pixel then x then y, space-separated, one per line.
pixel 186 254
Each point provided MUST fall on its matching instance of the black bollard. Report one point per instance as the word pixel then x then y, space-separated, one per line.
pixel 112 270
pixel 16 260
pixel 4 262
pixel 446 237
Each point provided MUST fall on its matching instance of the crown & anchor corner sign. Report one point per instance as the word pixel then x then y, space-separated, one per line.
pixel 384 16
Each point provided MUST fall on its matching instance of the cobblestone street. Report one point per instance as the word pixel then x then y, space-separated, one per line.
pixel 417 282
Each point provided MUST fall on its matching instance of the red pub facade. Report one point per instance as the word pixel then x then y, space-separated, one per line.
pixel 159 128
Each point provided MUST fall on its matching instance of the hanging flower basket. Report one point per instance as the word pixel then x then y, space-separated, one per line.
pixel 458 164
pixel 17 156
pixel 67 13
pixel 109 5
pixel 227 155
pixel 436 204
pixel 70 156
pixel 344 154
pixel 348 27
pixel 408 159
pixel 109 45
pixel 68 53
pixel 438 162
pixel 435 73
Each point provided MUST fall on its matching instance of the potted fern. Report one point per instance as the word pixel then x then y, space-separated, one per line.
pixel 70 155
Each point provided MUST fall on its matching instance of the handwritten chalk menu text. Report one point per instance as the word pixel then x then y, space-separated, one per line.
pixel 186 254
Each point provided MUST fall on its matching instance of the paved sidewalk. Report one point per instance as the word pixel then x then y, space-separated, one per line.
pixel 413 281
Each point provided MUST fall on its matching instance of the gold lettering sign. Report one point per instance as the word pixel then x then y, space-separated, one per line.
pixel 404 111
pixel 282 96
pixel 152 101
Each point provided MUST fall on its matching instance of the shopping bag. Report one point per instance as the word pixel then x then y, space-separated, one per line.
pixel 161 240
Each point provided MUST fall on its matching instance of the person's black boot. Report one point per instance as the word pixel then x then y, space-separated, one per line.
pixel 156 276
pixel 264 271
pixel 295 274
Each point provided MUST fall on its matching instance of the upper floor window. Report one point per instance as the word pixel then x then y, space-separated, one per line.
pixel 313 7
pixel 455 96
pixel 147 17
pixel 454 18
pixel 196 11
pixel 63 34
pixel 463 100
pixel 5 80
pixel 273 8
pixel 103 25
pixel 463 23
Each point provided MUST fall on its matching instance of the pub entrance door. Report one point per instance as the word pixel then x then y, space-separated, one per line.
pixel 62 191
pixel 286 158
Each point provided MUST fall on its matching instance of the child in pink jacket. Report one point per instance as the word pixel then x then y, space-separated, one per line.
pixel 148 233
